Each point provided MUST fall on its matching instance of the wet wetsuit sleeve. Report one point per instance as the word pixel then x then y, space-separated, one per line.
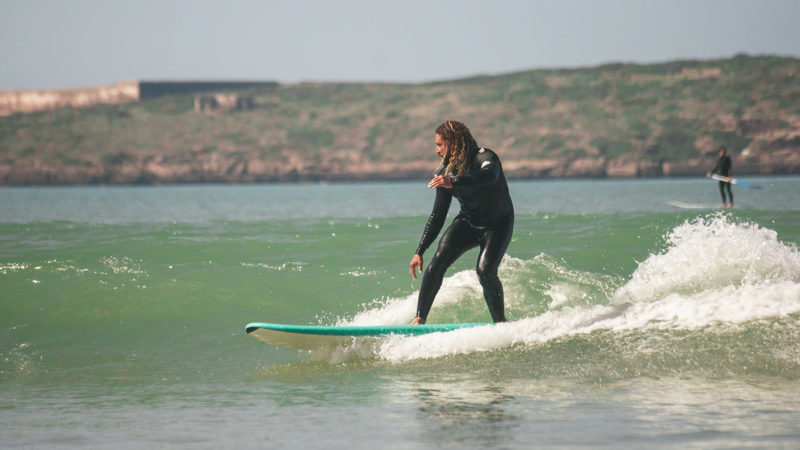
pixel 488 171
pixel 440 207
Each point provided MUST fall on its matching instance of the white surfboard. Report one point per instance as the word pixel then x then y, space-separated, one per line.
pixel 684 205
pixel 730 180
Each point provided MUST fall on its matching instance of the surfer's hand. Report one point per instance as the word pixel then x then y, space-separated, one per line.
pixel 441 181
pixel 415 265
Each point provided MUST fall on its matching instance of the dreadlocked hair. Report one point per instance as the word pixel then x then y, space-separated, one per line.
pixel 460 147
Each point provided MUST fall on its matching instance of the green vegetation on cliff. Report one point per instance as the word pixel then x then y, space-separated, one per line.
pixel 611 120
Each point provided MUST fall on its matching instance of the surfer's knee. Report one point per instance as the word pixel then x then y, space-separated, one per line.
pixel 436 267
pixel 487 274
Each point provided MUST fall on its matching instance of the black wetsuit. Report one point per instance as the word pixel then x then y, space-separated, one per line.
pixel 486 219
pixel 723 168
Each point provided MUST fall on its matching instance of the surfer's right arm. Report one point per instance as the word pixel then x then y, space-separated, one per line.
pixel 415 265
pixel 432 227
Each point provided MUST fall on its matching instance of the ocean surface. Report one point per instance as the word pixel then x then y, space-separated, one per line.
pixel 635 324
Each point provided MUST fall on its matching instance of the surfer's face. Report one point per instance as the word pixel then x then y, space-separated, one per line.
pixel 441 146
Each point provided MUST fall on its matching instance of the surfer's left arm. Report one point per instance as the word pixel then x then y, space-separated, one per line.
pixel 488 170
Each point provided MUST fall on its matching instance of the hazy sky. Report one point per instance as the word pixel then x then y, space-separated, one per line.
pixel 75 43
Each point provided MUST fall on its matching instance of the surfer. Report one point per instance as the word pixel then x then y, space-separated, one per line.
pixel 723 168
pixel 474 176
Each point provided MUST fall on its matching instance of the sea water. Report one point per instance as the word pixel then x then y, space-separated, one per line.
pixel 633 323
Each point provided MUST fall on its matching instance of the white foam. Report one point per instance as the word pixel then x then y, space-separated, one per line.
pixel 730 305
pixel 710 253
pixel 713 271
pixel 402 311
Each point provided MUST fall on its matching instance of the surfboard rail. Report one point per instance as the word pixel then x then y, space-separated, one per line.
pixel 308 337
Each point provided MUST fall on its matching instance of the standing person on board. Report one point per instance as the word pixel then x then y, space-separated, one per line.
pixel 723 168
pixel 474 176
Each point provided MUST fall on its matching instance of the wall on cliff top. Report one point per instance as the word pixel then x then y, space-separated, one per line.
pixel 12 102
pixel 28 101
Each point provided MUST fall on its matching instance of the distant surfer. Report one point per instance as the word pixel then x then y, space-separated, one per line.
pixel 474 176
pixel 723 168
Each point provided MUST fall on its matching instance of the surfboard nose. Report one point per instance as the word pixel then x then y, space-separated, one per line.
pixel 250 327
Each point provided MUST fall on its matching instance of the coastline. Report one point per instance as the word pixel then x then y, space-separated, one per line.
pixel 259 171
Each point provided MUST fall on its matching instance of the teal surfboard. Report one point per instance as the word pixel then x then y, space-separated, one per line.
pixel 308 337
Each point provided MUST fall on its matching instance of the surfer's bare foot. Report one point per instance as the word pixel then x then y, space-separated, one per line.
pixel 417 321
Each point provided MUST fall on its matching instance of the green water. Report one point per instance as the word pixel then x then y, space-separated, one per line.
pixel 634 323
